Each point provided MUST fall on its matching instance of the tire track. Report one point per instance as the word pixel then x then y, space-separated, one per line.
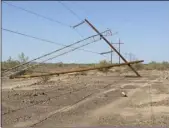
pixel 72 106
pixel 40 102
pixel 54 97
pixel 81 101
pixel 115 106
pixel 50 98
pixel 91 96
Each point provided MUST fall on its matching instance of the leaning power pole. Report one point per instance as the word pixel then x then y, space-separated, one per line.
pixel 111 46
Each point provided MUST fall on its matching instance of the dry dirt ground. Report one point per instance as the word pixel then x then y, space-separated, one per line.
pixel 87 100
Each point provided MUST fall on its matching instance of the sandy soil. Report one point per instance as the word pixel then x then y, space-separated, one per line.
pixel 87 100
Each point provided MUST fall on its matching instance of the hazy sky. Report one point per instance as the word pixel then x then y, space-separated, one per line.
pixel 142 26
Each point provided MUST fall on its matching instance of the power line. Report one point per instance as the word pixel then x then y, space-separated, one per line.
pixel 44 40
pixel 42 16
pixel 71 50
pixel 78 33
pixel 48 40
pixel 81 8
pixel 71 11
pixel 66 46
pixel 56 56
pixel 34 13
pixel 47 19
pixel 68 51
pixel 84 10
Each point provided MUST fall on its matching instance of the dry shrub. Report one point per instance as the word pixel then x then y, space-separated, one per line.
pixel 117 70
pixel 157 66
pixel 104 63
pixel 80 73
pixel 150 66
pixel 138 66
pixel 83 73
pixel 45 79
pixel 29 71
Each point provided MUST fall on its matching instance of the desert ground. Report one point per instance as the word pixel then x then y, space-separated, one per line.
pixel 87 99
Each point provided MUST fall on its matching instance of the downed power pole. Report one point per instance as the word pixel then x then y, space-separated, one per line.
pixel 111 46
pixel 77 70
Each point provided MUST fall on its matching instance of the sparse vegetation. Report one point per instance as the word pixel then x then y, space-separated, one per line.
pixel 60 64
pixel 151 66
pixel 22 59
pixel 104 63
pixel 11 62
pixel 81 73
pixel 45 79
pixel 156 66
pixel 138 66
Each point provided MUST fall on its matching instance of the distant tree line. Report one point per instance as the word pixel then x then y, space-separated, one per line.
pixel 22 58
